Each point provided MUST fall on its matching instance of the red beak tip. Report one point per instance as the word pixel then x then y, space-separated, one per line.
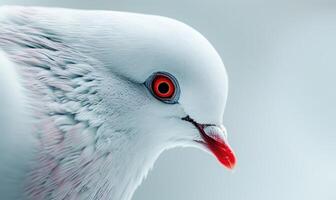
pixel 231 165
pixel 228 161
pixel 224 154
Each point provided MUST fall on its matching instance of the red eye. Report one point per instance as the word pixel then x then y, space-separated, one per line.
pixel 163 87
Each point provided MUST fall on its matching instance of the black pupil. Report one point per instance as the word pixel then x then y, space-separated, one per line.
pixel 163 88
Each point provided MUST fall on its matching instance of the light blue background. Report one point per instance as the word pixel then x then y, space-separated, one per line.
pixel 281 61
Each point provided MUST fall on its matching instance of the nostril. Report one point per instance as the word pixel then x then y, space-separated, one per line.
pixel 215 132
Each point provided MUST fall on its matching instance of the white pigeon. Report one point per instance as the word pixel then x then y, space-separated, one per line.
pixel 89 100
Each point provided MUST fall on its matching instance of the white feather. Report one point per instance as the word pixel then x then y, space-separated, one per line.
pixel 16 143
pixel 76 79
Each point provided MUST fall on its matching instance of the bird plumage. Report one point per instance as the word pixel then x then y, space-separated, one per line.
pixel 91 121
pixel 62 86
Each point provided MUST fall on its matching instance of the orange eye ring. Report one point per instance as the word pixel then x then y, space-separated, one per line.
pixel 163 87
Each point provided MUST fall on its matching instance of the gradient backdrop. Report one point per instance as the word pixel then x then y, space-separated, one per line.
pixel 281 61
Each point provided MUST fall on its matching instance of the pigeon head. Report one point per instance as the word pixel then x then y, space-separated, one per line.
pixel 174 83
pixel 110 91
pixel 162 83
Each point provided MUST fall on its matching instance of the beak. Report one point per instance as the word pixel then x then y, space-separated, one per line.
pixel 215 139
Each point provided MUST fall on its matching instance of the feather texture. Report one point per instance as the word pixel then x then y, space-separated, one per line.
pixel 96 129
pixel 84 148
pixel 62 88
